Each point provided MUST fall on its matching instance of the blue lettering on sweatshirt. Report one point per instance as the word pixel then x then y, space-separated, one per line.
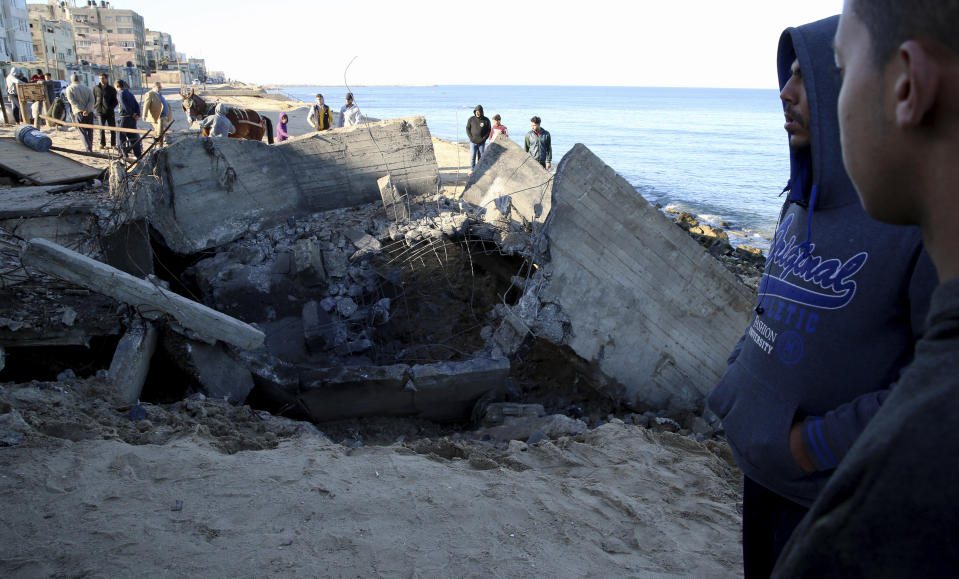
pixel 800 262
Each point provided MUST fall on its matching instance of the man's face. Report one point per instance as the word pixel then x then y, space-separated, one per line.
pixel 159 87
pixel 873 159
pixel 103 80
pixel 534 126
pixel 477 112
pixel 796 108
pixel 319 101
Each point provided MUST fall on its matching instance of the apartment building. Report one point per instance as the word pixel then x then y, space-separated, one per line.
pixel 16 45
pixel 53 43
pixel 109 36
pixel 160 50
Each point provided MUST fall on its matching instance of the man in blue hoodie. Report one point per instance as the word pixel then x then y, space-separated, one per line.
pixel 840 306
pixel 892 507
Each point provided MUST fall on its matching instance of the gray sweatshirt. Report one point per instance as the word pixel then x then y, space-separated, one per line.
pixel 80 97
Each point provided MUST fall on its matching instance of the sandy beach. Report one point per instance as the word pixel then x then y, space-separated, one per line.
pixel 203 488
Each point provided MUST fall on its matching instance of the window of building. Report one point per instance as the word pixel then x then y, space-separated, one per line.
pixel 124 30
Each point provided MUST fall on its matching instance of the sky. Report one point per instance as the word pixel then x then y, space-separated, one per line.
pixel 693 43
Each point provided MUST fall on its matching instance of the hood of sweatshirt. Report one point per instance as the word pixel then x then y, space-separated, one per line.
pixel 820 165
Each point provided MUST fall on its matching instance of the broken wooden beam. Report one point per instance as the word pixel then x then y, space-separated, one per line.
pixel 149 299
pixel 98 127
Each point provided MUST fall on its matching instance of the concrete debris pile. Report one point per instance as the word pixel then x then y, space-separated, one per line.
pixel 651 312
pixel 327 278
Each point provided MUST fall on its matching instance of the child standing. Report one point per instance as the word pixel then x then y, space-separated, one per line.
pixel 497 128
pixel 281 132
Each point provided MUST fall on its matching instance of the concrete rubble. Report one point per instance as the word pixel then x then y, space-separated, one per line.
pixel 653 312
pixel 328 278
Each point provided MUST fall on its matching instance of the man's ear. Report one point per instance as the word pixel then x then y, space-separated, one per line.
pixel 917 83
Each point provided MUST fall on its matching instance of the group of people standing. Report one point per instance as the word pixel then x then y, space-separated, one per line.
pixel 481 131
pixel 15 77
pixel 321 117
pixel 103 101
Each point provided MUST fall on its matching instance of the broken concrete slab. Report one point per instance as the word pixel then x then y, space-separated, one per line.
pixel 653 311
pixel 340 168
pixel 131 361
pixel 149 299
pixel 497 412
pixel 525 428
pixel 217 372
pixel 507 180
pixel 212 191
pixel 308 261
pixel 64 218
pixel 128 248
pixel 365 243
pixel 78 220
pixel 443 392
pixel 357 391
pixel 393 202
pixel 447 391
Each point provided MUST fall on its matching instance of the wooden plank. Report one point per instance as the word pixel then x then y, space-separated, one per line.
pixel 42 168
pixel 98 127
pixel 149 299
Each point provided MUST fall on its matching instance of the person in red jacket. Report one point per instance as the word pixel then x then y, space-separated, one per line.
pixel 497 128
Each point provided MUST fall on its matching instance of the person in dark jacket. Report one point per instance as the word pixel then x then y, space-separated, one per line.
pixel 105 98
pixel 841 304
pixel 129 115
pixel 477 129
pixel 892 507
pixel 538 143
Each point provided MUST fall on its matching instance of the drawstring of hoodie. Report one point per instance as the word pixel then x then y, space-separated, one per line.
pixel 804 247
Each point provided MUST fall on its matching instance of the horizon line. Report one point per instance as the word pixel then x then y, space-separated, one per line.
pixel 429 85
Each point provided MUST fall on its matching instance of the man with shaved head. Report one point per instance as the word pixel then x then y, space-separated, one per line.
pixel 892 507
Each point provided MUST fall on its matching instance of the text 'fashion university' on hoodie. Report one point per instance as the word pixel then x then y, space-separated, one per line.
pixel 841 304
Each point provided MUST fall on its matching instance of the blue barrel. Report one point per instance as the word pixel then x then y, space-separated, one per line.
pixel 36 140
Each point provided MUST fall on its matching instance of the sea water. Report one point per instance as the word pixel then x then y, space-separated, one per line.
pixel 720 154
